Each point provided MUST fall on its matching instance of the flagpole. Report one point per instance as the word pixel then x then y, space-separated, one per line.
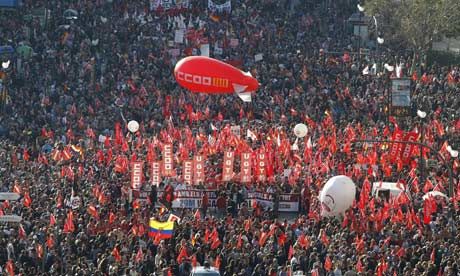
pixel 449 168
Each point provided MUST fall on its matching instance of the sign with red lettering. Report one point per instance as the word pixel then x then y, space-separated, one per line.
pixel 245 167
pixel 155 176
pixel 187 172
pixel 198 169
pixel 261 166
pixel 409 149
pixel 395 147
pixel 136 175
pixel 227 170
pixel 168 161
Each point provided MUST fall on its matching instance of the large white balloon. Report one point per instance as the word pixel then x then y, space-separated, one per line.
pixel 300 130
pixel 337 196
pixel 133 126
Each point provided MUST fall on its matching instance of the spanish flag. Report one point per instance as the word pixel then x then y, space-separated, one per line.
pixel 163 230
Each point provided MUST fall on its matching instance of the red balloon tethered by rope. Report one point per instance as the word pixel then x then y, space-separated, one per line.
pixel 207 75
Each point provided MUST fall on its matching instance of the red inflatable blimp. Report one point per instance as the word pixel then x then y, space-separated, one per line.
pixel 211 76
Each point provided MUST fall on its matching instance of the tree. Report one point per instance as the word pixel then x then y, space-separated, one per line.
pixel 418 22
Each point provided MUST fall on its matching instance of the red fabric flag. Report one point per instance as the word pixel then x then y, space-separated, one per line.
pixel 282 239
pixel 291 252
pixel 197 215
pixel 116 254
pixel 328 264
pixel 182 254
pixel 93 212
pixel 112 217
pixel 206 235
pixel 27 200
pixel 50 242
pixel 359 266
pixel 433 255
pixel 52 220
pixel 215 243
pixel 194 261
pixel 39 249
pixel 324 238
pixel 428 186
pixel 217 262
pixel 10 267
pixel 21 232
pixel 239 242
pixel 263 238
pixel 16 188
pixel 139 256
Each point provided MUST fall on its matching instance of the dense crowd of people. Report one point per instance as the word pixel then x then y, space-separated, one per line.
pixel 63 137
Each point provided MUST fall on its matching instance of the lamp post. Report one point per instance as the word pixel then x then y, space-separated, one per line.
pixel 422 115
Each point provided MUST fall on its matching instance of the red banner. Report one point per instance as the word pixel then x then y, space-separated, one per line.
pixel 395 150
pixel 187 172
pixel 261 167
pixel 409 149
pixel 136 175
pixel 245 167
pixel 198 169
pixel 168 161
pixel 227 170
pixel 155 176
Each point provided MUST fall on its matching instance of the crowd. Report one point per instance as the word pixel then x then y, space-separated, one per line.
pixel 63 135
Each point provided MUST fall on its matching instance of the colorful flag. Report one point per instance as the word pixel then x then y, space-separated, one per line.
pixel 162 229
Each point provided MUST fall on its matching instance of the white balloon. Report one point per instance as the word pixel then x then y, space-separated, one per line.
pixel 337 196
pixel 133 126
pixel 300 130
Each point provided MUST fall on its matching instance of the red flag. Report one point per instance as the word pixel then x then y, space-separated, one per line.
pixel 50 242
pixel 197 215
pixel 139 256
pixel 111 217
pixel 359 266
pixel 116 254
pixel 27 200
pixel 194 262
pixel 52 220
pixel 433 255
pixel 263 238
pixel 328 264
pixel 428 186
pixel 182 254
pixel 17 188
pixel 324 238
pixel 10 267
pixel 215 243
pixel 21 232
pixel 217 262
pixel 93 212
pixel 39 251
pixel 239 242
pixel 291 252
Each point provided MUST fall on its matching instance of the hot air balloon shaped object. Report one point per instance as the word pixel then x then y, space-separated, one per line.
pixel 207 75
pixel 337 196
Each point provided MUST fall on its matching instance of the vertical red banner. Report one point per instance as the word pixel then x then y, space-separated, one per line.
pixel 155 176
pixel 245 167
pixel 187 172
pixel 136 175
pixel 261 166
pixel 409 149
pixel 198 169
pixel 227 170
pixel 168 161
pixel 395 148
